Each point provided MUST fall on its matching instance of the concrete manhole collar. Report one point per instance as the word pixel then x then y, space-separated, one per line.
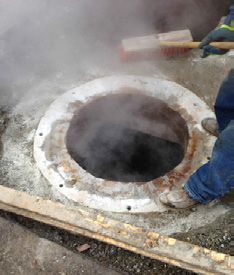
pixel 115 143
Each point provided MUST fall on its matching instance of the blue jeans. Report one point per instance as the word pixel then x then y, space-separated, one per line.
pixel 224 104
pixel 216 177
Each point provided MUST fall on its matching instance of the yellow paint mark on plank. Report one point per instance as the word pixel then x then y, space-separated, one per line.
pixel 153 235
pixel 206 251
pixel 98 223
pixel 171 241
pixel 132 228
pixel 218 257
pixel 100 218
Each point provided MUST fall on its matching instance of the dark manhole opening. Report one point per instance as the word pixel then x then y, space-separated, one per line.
pixel 127 138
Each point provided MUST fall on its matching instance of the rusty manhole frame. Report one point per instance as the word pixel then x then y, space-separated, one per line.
pixel 78 185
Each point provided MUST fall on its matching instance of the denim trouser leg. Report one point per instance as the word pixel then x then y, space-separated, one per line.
pixel 216 177
pixel 224 104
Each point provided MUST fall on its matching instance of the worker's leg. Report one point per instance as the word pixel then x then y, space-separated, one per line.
pixel 211 180
pixel 224 104
pixel 216 177
pixel 224 107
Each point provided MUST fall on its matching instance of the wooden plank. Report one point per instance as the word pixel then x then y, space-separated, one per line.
pixel 138 240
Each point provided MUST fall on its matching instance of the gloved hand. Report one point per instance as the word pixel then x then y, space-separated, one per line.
pixel 221 34
pixel 212 50
pixel 206 41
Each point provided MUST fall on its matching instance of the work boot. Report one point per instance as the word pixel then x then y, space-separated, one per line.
pixel 210 125
pixel 177 200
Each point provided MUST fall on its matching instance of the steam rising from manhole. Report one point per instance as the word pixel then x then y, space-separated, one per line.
pixel 127 137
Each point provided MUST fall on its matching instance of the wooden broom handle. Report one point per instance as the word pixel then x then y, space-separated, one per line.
pixel 219 45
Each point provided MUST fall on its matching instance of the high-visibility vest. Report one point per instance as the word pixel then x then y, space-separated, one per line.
pixel 230 28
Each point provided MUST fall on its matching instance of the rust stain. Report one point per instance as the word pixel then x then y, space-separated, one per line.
pixel 66 168
pixel 161 183
pixel 74 171
pixel 76 105
pixel 192 147
pixel 189 157
pixel 186 169
pixel 61 130
pixel 184 112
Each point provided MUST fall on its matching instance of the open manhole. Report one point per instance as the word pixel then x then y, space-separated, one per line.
pixel 116 143
pixel 127 138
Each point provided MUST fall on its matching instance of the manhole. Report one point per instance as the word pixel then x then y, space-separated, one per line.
pixel 127 137
pixel 115 143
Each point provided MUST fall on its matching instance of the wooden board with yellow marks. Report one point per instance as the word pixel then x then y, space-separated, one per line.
pixel 138 240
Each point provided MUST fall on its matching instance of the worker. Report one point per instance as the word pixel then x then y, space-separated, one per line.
pixel 216 177
pixel 225 34
pixel 210 124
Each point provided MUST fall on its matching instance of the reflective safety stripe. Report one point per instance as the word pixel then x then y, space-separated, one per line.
pixel 230 28
pixel 211 53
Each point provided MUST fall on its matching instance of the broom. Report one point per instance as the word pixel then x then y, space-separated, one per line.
pixel 164 44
